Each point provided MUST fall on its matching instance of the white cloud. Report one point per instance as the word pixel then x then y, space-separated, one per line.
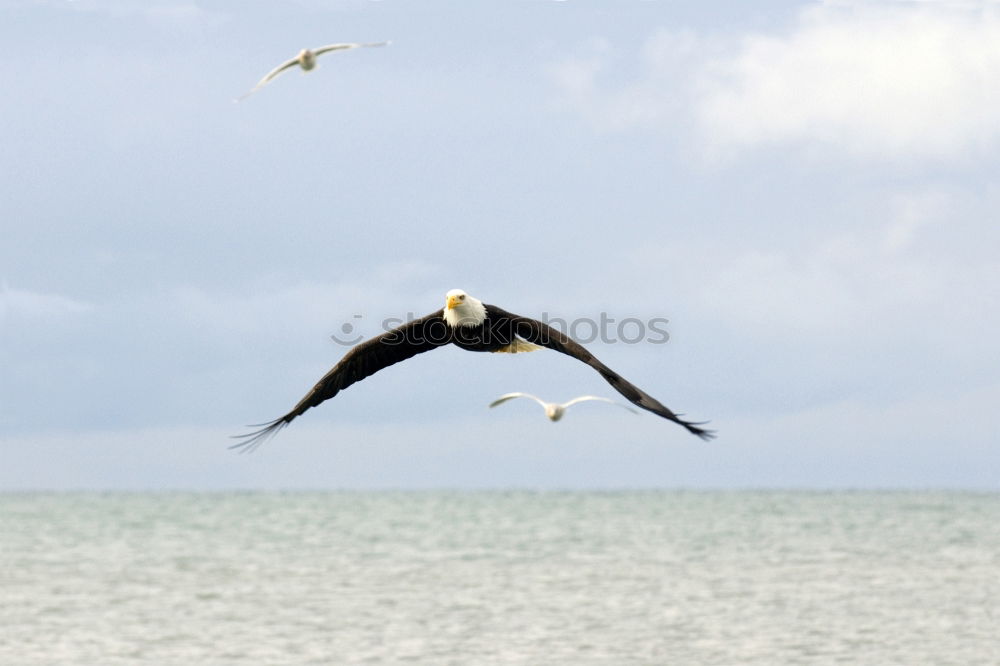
pixel 305 307
pixel 884 81
pixel 870 80
pixel 920 263
pixel 912 212
pixel 170 14
pixel 25 303
pixel 657 95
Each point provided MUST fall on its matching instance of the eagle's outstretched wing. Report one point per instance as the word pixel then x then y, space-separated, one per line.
pixel 362 361
pixel 542 334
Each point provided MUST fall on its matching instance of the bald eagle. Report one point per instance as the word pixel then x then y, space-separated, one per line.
pixel 471 325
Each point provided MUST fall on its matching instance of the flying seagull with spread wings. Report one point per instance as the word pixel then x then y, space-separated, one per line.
pixel 555 410
pixel 471 325
pixel 306 59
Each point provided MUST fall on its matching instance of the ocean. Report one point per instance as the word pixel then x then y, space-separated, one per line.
pixel 492 577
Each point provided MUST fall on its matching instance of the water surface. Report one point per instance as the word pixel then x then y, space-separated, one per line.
pixel 501 578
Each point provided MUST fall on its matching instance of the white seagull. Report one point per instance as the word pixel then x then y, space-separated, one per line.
pixel 553 410
pixel 306 59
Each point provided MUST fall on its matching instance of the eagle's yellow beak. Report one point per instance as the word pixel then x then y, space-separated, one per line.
pixel 453 302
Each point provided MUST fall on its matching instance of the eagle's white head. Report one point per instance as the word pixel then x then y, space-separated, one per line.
pixel 460 309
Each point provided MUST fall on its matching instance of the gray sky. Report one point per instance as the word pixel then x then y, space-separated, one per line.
pixel 806 191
